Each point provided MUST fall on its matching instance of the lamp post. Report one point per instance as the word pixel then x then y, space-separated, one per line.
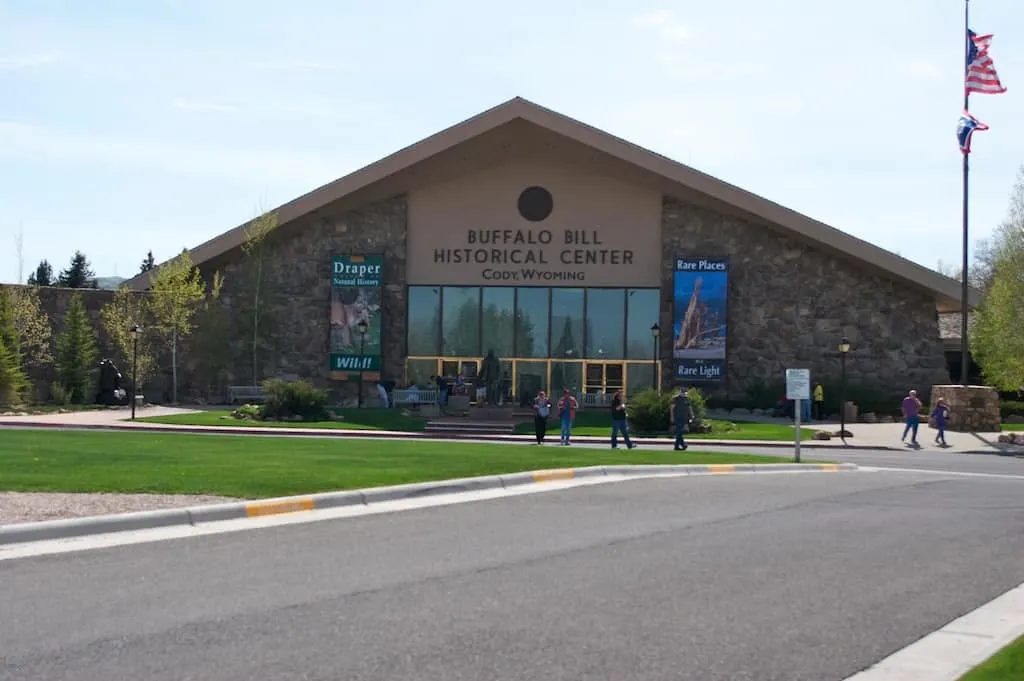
pixel 362 327
pixel 655 335
pixel 136 331
pixel 844 349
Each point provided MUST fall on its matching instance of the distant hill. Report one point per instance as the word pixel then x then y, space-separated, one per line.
pixel 111 283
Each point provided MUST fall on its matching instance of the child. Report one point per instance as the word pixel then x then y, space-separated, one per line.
pixel 939 416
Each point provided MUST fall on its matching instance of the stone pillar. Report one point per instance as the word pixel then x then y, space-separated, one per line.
pixel 972 409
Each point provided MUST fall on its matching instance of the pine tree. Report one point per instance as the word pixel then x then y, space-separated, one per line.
pixel 43 276
pixel 148 264
pixel 79 273
pixel 13 381
pixel 77 353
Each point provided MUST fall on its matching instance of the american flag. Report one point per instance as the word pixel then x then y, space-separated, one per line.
pixel 965 128
pixel 981 72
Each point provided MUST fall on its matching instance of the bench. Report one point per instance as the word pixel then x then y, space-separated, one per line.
pixel 245 393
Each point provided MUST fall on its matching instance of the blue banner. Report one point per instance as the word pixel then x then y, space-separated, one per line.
pixel 699 331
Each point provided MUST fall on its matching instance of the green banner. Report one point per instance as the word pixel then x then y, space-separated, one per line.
pixel 355 306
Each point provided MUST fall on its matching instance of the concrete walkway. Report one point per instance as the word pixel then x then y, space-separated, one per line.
pixel 864 435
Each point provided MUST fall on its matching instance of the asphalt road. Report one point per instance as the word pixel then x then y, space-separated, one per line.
pixel 759 577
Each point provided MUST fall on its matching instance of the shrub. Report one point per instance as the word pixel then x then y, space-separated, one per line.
pixel 1011 408
pixel 699 406
pixel 648 411
pixel 59 395
pixel 294 399
pixel 249 412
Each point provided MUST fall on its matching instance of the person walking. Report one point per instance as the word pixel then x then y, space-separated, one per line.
pixel 619 421
pixel 912 416
pixel 541 410
pixel 819 402
pixel 939 417
pixel 680 416
pixel 567 414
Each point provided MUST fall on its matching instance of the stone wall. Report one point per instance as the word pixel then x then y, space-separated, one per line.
pixel 972 409
pixel 789 305
pixel 297 283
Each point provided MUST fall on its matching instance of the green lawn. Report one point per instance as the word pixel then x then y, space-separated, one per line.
pixel 347 419
pixel 253 467
pixel 1013 427
pixel 1006 665
pixel 599 424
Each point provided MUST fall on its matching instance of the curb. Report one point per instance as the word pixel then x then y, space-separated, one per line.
pixel 210 513
pixel 405 435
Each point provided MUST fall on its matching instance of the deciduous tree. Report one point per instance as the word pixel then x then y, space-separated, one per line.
pixel 34 331
pixel 76 353
pixel 256 249
pixel 176 293
pixel 127 309
pixel 997 341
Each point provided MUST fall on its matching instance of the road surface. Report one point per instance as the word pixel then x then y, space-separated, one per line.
pixel 757 577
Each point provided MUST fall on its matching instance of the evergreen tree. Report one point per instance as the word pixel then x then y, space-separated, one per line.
pixel 79 273
pixel 13 381
pixel 148 264
pixel 43 276
pixel 77 353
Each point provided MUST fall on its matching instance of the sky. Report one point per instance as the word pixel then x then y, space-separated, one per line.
pixel 130 126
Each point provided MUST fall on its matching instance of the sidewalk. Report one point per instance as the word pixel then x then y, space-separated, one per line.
pixel 865 435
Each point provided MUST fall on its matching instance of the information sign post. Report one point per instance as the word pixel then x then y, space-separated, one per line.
pixel 798 389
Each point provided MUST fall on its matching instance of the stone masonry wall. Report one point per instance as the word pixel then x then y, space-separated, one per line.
pixel 298 286
pixel 789 305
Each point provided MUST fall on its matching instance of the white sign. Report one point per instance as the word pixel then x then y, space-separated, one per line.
pixel 798 384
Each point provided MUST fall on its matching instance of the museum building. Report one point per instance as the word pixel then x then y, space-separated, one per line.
pixel 578 259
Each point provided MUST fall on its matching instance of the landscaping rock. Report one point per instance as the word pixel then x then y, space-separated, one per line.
pixel 822 435
pixel 1014 418
pixel 843 434
pixel 757 412
pixel 886 418
pixel 869 417
pixel 740 411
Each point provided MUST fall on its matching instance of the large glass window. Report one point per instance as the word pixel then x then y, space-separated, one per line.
pixel 460 317
pixel 642 307
pixel 532 322
pixel 531 377
pixel 424 320
pixel 566 375
pixel 566 323
pixel 606 331
pixel 498 321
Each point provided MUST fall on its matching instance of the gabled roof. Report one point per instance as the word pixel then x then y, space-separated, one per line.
pixel 690 181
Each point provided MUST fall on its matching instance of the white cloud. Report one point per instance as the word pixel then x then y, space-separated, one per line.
pixel 299 65
pixel 196 105
pixel 26 61
pixel 251 164
pixel 663 22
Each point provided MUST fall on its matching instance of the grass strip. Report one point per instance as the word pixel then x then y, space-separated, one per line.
pixel 253 466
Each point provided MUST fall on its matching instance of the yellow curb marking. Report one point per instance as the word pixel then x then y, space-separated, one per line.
pixel 548 476
pixel 828 467
pixel 275 507
pixel 721 468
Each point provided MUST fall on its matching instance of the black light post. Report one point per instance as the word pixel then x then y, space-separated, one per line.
pixel 136 331
pixel 844 349
pixel 655 335
pixel 362 327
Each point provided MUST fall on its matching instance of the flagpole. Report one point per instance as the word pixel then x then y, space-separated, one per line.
pixel 963 284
